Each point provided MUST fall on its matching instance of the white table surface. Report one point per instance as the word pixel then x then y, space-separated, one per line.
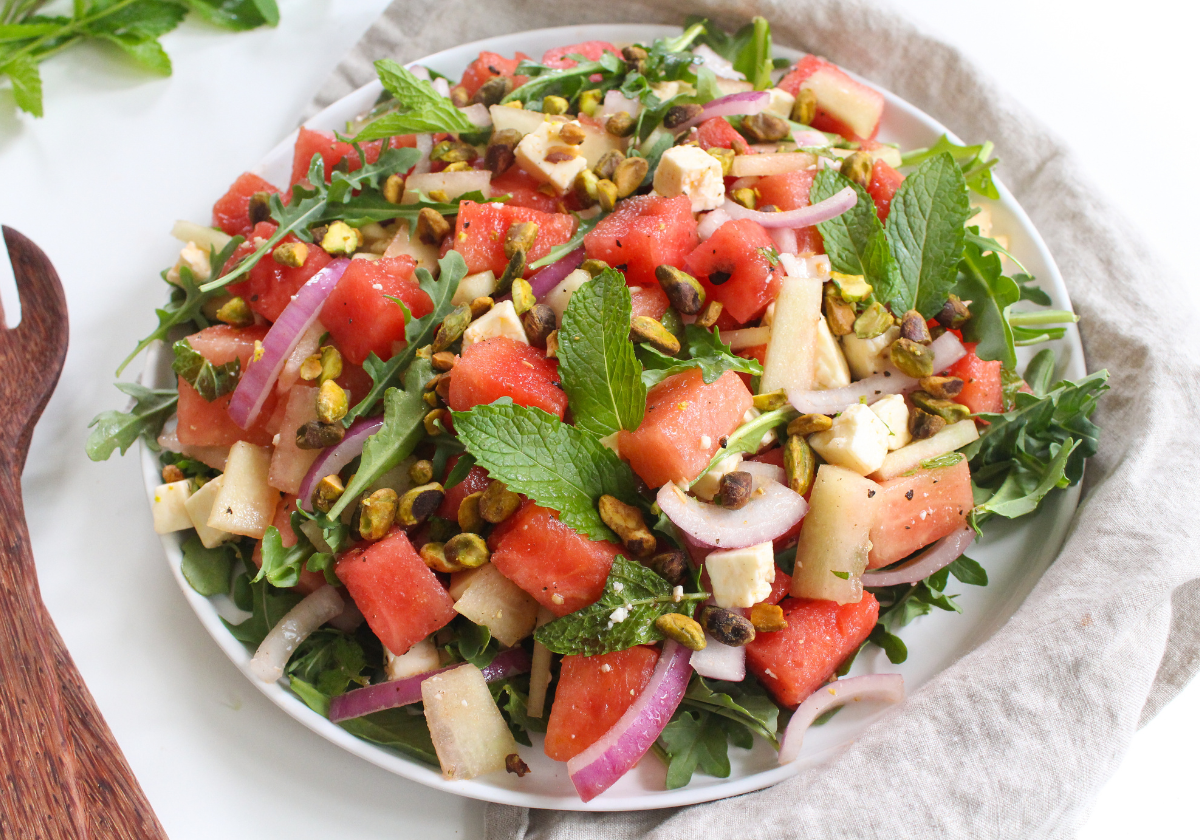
pixel 120 155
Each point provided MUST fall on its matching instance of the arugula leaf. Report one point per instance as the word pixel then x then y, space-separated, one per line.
pixel 976 162
pixel 282 566
pixel 1039 373
pixel 545 81
pixel 754 60
pixel 403 428
pixel 748 436
pixel 1029 291
pixel 969 571
pixel 187 300
pixel 513 705
pixel 208 570
pixel 369 205
pixel 632 588
pixel 701 349
pixel 991 294
pixel 893 646
pixel 599 368
pixel 399 729
pixel 116 429
pixel 210 381
pixel 267 606
pixel 556 465
pixel 424 109
pixel 745 702
pixel 330 661
pixel 925 234
pixel 694 741
pixel 472 643
pixel 417 332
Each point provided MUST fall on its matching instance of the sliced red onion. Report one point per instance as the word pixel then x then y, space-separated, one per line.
pixel 425 147
pixel 441 86
pixel 547 278
pixel 741 104
pixel 785 240
pixel 766 517
pixel 259 377
pixel 933 559
pixel 597 768
pixel 886 687
pixel 397 693
pixel 721 66
pixel 822 211
pixel 719 661
pixel 299 623
pixel 478 113
pixel 763 473
pixel 807 139
pixel 947 350
pixel 615 102
pixel 349 619
pixel 334 458
pixel 420 71
pixel 307 346
pixel 745 182
pixel 709 223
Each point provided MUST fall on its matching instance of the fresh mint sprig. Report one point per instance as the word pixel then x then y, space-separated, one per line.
pixel 210 381
pixel 422 109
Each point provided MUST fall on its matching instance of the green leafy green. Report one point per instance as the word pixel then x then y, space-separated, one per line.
pixel 748 49
pixel 282 566
pixel 892 645
pixel 701 349
pixel 236 15
pixel 546 81
pixel 513 705
pixel 208 570
pixel 210 381
pixel 748 436
pixel 634 597
pixel 556 465
pixel 976 162
pixel 331 661
pixel 26 81
pixel 403 428
pixel 267 605
pixel 471 643
pixel 401 729
pixel 423 109
pixel 697 741
pixel 112 430
pixel 969 571
pixel 855 241
pixel 600 371
pixel 925 234
pixel 582 228
pixel 745 702
pixel 417 332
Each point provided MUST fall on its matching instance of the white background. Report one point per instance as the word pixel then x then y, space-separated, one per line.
pixel 120 155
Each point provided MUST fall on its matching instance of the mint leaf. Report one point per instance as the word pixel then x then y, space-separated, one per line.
pixel 847 236
pixel 423 109
pixel 236 15
pixel 116 429
pixel 22 72
pixel 556 465
pixel 700 349
pixel 925 234
pixel 210 381
pixel 403 428
pixel 417 332
pixel 632 588
pixel 208 570
pixel 267 606
pixel 599 369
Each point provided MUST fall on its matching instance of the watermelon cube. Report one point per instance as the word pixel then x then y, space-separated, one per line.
pixel 916 510
pixel 204 423
pixel 982 386
pixel 502 367
pixel 359 313
pixel 231 213
pixel 479 231
pixel 593 692
pixel 882 189
pixel 844 106
pixel 643 233
pixel 271 286
pixel 735 267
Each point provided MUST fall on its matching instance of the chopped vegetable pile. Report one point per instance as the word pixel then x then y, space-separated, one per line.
pixel 622 396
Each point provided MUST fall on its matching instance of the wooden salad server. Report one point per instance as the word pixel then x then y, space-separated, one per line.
pixel 64 775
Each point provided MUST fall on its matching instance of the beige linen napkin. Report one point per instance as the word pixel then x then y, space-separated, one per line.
pixel 1015 739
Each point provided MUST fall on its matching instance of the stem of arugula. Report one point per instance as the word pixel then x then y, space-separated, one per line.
pixel 1049 316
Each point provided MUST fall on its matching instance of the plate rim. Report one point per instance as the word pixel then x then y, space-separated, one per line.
pixel 413 770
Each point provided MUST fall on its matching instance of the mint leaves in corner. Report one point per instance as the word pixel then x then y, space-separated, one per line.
pixel 210 381
pixel 421 108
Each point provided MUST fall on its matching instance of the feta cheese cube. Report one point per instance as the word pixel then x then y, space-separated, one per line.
pixel 168 508
pixel 420 659
pixel 709 484
pixel 858 440
pixel 474 286
pixel 868 356
pixel 831 370
pixel 893 411
pixel 199 508
pixel 558 297
pixel 741 577
pixel 501 320
pixel 196 259
pixel 691 171
pixel 544 156
pixel 780 104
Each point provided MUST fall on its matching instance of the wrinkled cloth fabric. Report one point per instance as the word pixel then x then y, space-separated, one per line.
pixel 1016 738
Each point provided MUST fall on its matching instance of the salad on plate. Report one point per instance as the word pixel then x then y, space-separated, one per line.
pixel 623 395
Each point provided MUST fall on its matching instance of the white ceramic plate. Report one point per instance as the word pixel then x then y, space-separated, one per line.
pixel 1015 554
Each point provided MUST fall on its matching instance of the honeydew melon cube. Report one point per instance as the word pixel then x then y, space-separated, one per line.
pixel 199 507
pixel 469 733
pixel 494 601
pixel 246 502
pixel 169 507
pixel 836 539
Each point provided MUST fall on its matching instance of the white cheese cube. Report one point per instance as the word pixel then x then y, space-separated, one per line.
pixel 893 411
pixel 709 484
pixel 558 297
pixel 768 438
pixel 691 171
pixel 169 510
pixel 780 104
pixel 199 508
pixel 420 659
pixel 741 577
pixel 858 440
pixel 868 356
pixel 830 369
pixel 501 320
pixel 474 286
pixel 544 156
pixel 196 259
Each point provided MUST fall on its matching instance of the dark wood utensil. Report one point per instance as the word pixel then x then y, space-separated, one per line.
pixel 64 775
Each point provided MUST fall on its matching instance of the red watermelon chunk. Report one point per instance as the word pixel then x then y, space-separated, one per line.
pixel 563 570
pixel 882 189
pixel 524 191
pixel 644 232
pixel 359 314
pixel 334 151
pixel 982 385
pixel 717 133
pixel 488 66
pixel 204 423
pixel 591 50
pixel 650 301
pixel 504 367
pixel 592 694
pixel 844 106
pixel 476 481
pixel 479 231
pixel 402 599
pixel 270 286
pixel 916 510
pixel 231 213
pixel 683 426
pixel 734 266
pixel 794 662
